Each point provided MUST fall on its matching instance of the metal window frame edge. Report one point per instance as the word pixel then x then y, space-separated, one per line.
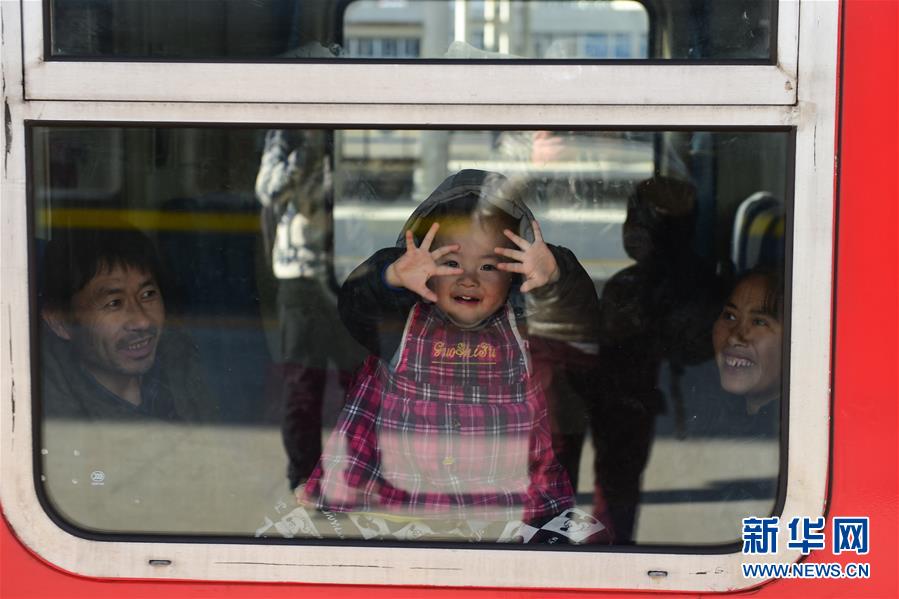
pixel 469 83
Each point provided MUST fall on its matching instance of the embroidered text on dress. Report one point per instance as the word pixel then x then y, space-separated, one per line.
pixel 481 354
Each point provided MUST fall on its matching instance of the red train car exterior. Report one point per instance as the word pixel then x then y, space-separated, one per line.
pixel 865 387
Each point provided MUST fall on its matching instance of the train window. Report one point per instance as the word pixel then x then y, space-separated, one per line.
pixel 434 29
pixel 183 416
pixel 716 53
pixel 250 274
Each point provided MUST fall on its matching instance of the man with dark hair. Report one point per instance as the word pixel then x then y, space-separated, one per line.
pixel 105 351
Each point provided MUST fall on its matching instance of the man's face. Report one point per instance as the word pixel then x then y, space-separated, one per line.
pixel 475 295
pixel 115 323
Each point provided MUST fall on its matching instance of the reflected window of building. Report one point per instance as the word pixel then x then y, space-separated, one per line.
pixel 598 45
pixel 623 45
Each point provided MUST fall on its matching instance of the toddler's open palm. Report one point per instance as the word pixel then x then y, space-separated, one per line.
pixel 417 265
pixel 534 261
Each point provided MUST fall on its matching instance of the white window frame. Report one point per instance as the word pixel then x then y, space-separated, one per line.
pixel 739 97
pixel 335 81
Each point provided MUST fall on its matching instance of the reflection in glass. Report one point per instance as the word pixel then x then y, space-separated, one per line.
pixel 412 29
pixel 208 295
pixel 748 337
pixel 448 419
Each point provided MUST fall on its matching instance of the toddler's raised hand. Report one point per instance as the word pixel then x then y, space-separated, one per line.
pixel 535 261
pixel 413 269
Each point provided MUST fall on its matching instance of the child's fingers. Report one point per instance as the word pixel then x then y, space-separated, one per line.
pixel 426 293
pixel 519 241
pixel 512 267
pixel 429 237
pixel 444 250
pixel 538 235
pixel 410 242
pixel 446 271
pixel 527 286
pixel 510 253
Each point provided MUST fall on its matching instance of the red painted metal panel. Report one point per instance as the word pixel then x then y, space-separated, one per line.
pixel 863 478
pixel 866 361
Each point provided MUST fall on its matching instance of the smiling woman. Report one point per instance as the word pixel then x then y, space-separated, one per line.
pixel 748 339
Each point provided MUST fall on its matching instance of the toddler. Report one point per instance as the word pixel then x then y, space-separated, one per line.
pixel 445 419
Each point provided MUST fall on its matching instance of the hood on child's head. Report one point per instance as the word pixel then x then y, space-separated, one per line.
pixel 465 192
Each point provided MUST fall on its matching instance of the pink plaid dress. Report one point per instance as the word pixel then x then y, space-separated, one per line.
pixel 456 428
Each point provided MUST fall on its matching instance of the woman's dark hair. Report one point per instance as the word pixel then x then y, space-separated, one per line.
pixel 74 257
pixel 773 304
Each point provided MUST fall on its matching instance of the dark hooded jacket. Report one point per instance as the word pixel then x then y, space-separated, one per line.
pixel 375 313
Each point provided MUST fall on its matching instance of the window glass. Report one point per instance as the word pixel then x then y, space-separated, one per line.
pixel 430 29
pixel 230 342
pixel 623 45
pixel 598 45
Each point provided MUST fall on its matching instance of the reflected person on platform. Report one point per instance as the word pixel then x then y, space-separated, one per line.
pixel 656 313
pixel 294 186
